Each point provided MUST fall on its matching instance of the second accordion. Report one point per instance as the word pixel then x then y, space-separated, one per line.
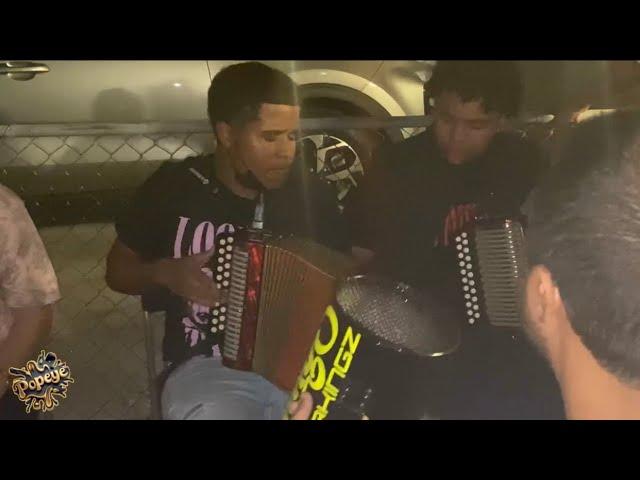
pixel 492 262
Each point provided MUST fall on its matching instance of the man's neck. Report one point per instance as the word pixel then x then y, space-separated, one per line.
pixel 226 174
pixel 592 393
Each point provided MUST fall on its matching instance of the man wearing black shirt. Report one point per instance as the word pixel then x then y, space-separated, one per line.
pixel 187 211
pixel 419 195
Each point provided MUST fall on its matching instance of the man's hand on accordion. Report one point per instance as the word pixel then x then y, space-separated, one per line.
pixel 184 277
pixel 458 218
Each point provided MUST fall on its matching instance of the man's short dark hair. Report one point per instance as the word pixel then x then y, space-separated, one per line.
pixel 496 84
pixel 585 228
pixel 237 92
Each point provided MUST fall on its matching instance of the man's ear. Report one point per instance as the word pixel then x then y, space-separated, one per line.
pixel 544 304
pixel 224 134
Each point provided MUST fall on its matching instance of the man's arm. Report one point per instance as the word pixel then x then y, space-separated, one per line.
pixel 29 333
pixel 128 273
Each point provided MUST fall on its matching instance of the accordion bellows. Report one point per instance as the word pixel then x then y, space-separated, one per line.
pixel 278 293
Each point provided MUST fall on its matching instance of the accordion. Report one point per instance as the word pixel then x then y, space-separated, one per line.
pixel 493 267
pixel 277 294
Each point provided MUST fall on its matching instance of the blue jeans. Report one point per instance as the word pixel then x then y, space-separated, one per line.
pixel 203 389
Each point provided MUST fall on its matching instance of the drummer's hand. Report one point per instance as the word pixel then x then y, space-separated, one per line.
pixel 301 409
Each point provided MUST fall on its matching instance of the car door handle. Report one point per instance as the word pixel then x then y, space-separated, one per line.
pixel 22 70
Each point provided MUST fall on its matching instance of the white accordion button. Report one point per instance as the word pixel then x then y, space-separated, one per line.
pixel 467 258
pixel 468 304
pixel 222 241
pixel 461 264
pixel 223 309
pixel 471 321
pixel 221 251
pixel 230 239
pixel 461 255
pixel 466 288
pixel 220 268
pixel 228 256
pixel 467 296
pixel 469 312
pixel 466 250
pixel 464 235
pixel 471 282
pixel 222 327
pixel 218 277
pixel 458 239
pixel 473 291
pixel 225 283
pixel 459 247
pixel 229 248
pixel 477 315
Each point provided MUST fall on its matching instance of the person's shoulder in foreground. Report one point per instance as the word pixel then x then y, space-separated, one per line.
pixel 28 278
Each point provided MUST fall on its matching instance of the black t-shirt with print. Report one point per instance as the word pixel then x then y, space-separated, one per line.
pixel 401 205
pixel 182 209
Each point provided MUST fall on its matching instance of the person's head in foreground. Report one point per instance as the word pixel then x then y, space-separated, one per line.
pixel 582 303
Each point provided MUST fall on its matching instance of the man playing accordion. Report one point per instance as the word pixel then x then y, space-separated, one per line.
pixel 175 240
